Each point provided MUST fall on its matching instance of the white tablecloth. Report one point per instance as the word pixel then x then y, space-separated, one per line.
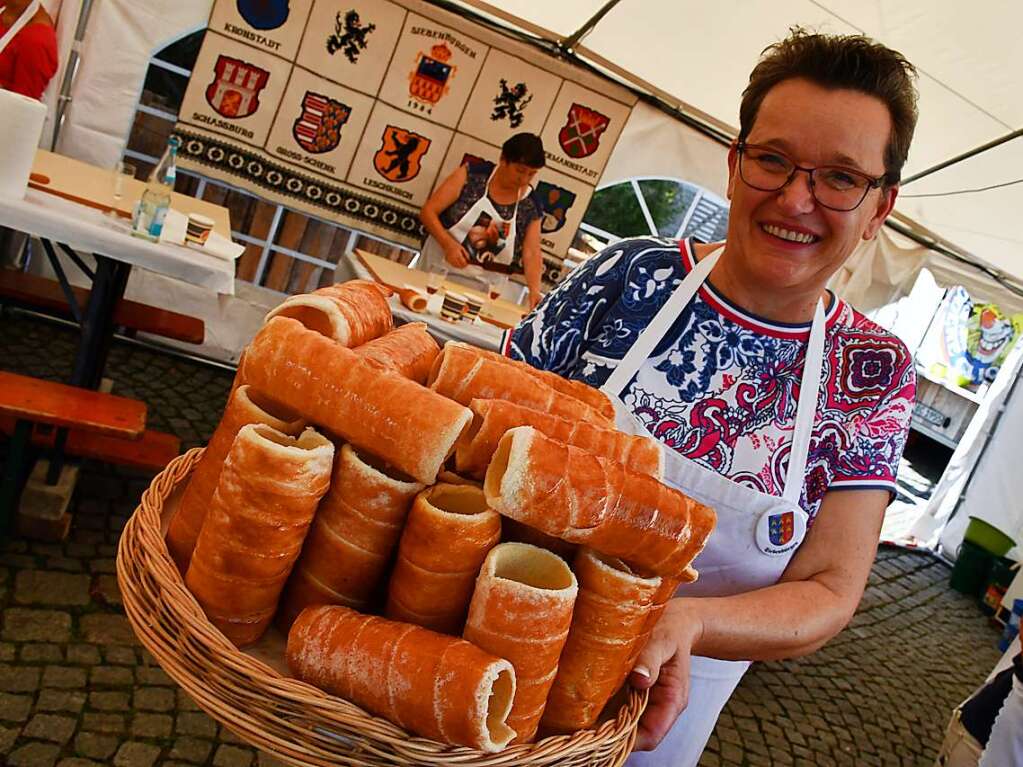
pixel 87 229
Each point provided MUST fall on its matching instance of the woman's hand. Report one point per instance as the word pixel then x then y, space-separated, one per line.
pixel 455 254
pixel 663 666
pixel 535 296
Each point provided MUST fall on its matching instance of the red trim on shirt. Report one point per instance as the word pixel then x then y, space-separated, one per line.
pixel 745 318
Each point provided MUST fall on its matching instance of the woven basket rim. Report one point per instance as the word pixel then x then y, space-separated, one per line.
pixel 169 623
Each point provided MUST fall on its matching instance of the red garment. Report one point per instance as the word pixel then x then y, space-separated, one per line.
pixel 30 60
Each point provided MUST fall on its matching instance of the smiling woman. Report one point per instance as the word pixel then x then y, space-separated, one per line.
pixel 775 402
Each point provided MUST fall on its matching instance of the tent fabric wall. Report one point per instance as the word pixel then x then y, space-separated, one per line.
pixel 878 272
pixel 654 144
pixel 121 37
pixel 985 474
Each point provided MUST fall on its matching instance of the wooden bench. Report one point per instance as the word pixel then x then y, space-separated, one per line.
pixel 30 401
pixel 32 291
pixel 151 452
pixel 39 401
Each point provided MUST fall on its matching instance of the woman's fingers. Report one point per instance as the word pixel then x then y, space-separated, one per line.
pixel 668 698
pixel 663 668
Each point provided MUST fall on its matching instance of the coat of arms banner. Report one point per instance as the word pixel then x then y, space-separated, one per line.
pixel 354 110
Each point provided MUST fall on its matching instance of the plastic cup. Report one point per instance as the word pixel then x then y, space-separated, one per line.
pixel 198 229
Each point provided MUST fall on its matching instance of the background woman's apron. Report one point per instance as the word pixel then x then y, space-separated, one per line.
pixel 756 533
pixel 473 275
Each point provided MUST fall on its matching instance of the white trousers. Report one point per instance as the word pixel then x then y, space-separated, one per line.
pixel 1005 746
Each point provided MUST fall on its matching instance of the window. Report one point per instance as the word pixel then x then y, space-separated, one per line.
pixel 667 207
pixel 285 250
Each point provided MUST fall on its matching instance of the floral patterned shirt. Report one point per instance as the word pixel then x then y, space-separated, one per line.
pixel 721 387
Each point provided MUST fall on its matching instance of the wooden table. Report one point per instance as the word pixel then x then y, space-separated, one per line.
pixel 69 214
pixel 93 186
pixel 502 313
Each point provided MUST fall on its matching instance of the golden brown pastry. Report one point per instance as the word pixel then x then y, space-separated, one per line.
pixel 408 349
pixel 450 478
pixel 353 537
pixel 521 611
pixel 246 405
pixel 350 313
pixel 609 617
pixel 265 499
pixel 662 595
pixel 413 300
pixel 595 398
pixel 463 374
pixel 581 498
pixel 437 686
pixel 375 409
pixel 493 417
pixel 446 538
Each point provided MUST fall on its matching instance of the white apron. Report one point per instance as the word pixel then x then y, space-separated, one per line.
pixel 756 533
pixel 493 270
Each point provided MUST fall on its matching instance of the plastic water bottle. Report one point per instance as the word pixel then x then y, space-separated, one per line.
pixel 152 208
pixel 166 171
pixel 150 213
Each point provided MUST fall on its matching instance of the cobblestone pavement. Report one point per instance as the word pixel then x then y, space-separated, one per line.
pixel 76 689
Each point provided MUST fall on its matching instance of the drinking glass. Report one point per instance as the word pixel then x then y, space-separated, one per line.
pixel 496 283
pixel 435 279
pixel 122 170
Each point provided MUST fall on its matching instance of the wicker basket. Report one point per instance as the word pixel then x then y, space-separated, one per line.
pixel 289 719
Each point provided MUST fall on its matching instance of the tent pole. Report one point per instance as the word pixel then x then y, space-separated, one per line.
pixel 64 98
pixel 572 40
pixel 964 156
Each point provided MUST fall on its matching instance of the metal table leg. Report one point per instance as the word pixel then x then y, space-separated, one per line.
pixel 97 325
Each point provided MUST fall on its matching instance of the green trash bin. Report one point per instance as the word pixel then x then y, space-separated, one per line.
pixel 972 569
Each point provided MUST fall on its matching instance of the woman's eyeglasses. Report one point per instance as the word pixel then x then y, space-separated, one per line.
pixel 767 169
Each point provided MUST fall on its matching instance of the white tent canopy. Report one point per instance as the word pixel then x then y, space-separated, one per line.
pixel 698 56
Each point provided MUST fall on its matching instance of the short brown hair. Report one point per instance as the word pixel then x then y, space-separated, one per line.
pixel 525 148
pixel 851 62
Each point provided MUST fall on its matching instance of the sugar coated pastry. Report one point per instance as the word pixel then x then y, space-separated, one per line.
pixel 521 611
pixel 493 417
pixel 350 313
pixel 409 350
pixel 246 405
pixel 437 686
pixel 463 374
pixel 369 406
pixel 446 538
pixel 265 499
pixel 353 536
pixel 569 493
pixel 608 620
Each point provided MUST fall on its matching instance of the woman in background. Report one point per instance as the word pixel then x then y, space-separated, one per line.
pixel 484 221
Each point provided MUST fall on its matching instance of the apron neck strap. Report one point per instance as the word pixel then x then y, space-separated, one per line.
pixel 644 346
pixel 806 407
pixel 519 196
